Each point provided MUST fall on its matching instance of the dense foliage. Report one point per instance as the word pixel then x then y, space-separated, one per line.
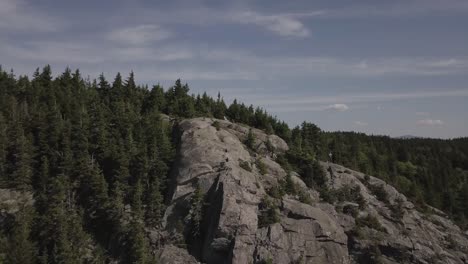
pixel 428 171
pixel 96 156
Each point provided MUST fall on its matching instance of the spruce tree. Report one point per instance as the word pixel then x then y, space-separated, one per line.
pixel 20 156
pixel 196 212
pixel 250 140
pixel 20 247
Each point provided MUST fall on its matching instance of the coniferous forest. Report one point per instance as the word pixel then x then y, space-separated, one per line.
pixel 97 154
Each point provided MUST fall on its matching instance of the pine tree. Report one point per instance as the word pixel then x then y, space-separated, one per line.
pixel 20 247
pixel 154 198
pixel 196 212
pixel 250 140
pixel 20 156
pixel 220 108
pixel 138 246
pixel 3 150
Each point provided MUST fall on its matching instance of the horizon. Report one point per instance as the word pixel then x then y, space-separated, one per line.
pixel 382 68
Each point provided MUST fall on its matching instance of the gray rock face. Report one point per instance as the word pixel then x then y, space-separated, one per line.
pixel 411 237
pixel 215 160
pixel 212 159
pixel 173 255
pixel 305 234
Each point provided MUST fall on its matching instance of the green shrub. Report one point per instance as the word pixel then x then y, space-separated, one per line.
pixel 276 191
pixel 356 232
pixel 350 210
pixel 269 146
pixel 350 194
pixel 261 167
pixel 304 197
pixel 289 186
pixel 371 222
pixel 283 162
pixel 327 195
pixel 245 165
pixel 217 125
pixel 379 192
pixel 397 209
pixel 366 179
pixel 266 261
pixel 268 213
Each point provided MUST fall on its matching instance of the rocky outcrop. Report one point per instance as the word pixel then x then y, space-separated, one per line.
pixel 171 254
pixel 305 234
pixel 372 223
pixel 215 160
pixel 406 235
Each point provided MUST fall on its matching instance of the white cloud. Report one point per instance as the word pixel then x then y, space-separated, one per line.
pixel 430 122
pixel 18 15
pixel 338 107
pixel 283 25
pixel 361 123
pixel 447 63
pixel 139 35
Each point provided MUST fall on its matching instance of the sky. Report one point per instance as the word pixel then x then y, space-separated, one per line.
pixel 393 68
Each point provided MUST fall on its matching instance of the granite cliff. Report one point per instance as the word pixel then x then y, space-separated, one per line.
pixel 367 221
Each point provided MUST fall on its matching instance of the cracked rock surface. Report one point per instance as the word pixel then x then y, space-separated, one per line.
pixel 214 159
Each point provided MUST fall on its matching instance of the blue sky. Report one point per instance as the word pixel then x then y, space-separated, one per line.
pixel 381 67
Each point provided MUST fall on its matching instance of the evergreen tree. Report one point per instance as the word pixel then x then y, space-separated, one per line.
pixel 250 140
pixel 20 247
pixel 196 213
pixel 20 157
pixel 3 150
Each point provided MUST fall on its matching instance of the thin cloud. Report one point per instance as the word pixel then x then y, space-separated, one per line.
pixel 139 35
pixel 338 107
pixel 430 122
pixel 283 25
pixel 18 15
